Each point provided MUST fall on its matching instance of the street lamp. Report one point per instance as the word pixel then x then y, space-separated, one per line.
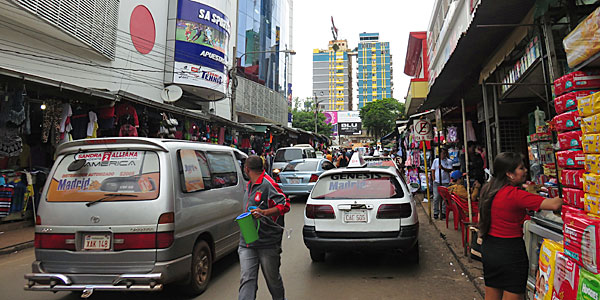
pixel 233 75
pixel 316 108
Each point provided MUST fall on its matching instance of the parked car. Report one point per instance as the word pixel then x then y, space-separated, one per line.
pixel 284 155
pixel 300 176
pixel 360 208
pixel 319 154
pixel 134 214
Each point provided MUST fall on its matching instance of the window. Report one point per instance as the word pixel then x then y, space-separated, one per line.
pixel 302 166
pixel 195 174
pixel 365 185
pixel 222 169
pixel 327 165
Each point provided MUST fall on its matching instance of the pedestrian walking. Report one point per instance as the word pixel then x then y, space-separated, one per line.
pixel 441 165
pixel 502 211
pixel 271 204
pixel 342 160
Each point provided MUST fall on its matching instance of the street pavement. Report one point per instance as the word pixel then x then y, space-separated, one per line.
pixel 342 276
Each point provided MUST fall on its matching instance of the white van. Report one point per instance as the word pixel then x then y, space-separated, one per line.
pixel 133 214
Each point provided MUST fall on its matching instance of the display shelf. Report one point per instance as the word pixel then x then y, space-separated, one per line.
pixel 592 62
pixel 529 85
pixel 546 228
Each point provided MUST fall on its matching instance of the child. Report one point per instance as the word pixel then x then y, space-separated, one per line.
pixel 458 188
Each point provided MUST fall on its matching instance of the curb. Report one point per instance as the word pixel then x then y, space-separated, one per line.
pixel 456 256
pixel 17 247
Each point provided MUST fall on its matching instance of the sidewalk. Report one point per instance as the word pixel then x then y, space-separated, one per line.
pixel 471 267
pixel 12 239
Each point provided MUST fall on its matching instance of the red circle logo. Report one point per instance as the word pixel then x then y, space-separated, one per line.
pixel 142 29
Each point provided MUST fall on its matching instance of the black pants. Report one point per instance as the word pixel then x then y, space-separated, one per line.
pixel 505 263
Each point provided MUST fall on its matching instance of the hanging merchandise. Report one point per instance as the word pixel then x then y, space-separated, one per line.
pixel 13 111
pixel 79 122
pixel 144 129
pixel 92 126
pixel 452 134
pixel 470 132
pixel 6 195
pixel 106 120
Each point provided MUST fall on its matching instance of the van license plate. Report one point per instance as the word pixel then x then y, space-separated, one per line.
pixel 96 242
pixel 355 216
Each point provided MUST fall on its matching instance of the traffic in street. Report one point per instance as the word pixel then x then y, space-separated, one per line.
pixel 344 275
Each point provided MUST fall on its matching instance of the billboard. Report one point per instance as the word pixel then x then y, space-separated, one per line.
pixel 349 122
pixel 202 38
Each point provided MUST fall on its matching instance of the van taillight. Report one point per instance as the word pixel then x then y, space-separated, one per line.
pixel 394 211
pixel 38 220
pixel 319 211
pixel 166 218
pixel 54 241
pixel 136 241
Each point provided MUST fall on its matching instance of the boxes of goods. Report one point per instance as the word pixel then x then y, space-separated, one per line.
pixel 590 203
pixel 572 178
pixel 589 105
pixel 566 121
pixel 579 80
pixel 582 42
pixel 568 101
pixel 550 169
pixel 574 197
pixel 547 266
pixel 570 159
pixel 552 191
pixel 580 233
pixel 590 143
pixel 570 140
pixel 589 286
pixel 566 278
pixel 591 183
pixel 592 163
pixel 590 124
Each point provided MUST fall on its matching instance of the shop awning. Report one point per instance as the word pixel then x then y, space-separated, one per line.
pixel 390 136
pixel 259 128
pixel 474 48
pixel 262 127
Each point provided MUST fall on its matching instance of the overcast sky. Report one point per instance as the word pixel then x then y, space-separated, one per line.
pixel 393 19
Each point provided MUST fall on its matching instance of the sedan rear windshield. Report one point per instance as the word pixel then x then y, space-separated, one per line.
pixel 302 166
pixel 285 155
pixel 356 185
pixel 121 175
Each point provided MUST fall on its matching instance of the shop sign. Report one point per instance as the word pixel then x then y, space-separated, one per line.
pixel 423 131
pixel 202 37
pixel 349 128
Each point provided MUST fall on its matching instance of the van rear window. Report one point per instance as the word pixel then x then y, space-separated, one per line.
pixel 84 177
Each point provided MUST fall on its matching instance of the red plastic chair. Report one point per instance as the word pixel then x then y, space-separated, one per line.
pixel 450 207
pixel 463 208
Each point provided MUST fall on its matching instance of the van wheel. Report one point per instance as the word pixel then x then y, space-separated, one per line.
pixel 317 256
pixel 201 268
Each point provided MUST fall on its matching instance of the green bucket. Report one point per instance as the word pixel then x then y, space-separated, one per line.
pixel 247 227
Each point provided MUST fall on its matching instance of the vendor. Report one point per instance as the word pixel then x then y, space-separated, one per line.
pixel 502 211
pixel 457 186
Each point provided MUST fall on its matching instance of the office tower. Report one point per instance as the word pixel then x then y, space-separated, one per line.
pixel 332 77
pixel 374 69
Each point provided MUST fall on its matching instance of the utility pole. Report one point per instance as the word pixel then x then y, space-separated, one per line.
pixel 316 110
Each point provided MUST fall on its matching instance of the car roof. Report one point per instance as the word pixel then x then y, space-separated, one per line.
pixel 360 170
pixel 294 147
pixel 307 159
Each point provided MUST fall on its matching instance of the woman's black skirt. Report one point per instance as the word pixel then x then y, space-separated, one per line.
pixel 505 263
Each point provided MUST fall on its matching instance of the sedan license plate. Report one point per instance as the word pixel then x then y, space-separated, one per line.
pixel 294 180
pixel 96 242
pixel 355 216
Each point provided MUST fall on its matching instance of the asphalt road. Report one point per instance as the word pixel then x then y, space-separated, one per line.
pixel 341 276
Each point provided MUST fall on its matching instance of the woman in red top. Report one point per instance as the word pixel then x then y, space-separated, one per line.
pixel 502 211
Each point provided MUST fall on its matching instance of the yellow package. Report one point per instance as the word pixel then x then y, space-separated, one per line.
pixel 547 266
pixel 590 124
pixel 591 203
pixel 592 163
pixel 589 105
pixel 591 183
pixel 590 143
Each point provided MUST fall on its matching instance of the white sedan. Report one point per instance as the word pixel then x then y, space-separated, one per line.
pixel 360 208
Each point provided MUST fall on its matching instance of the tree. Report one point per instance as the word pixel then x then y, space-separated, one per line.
pixel 306 120
pixel 379 117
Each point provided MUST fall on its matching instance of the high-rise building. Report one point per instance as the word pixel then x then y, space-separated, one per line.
pixel 374 69
pixel 332 77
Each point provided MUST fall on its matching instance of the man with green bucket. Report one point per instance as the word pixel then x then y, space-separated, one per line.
pixel 263 193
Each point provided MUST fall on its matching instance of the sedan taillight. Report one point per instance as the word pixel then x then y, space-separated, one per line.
pixel 319 211
pixel 276 177
pixel 394 211
pixel 58 241
pixel 314 178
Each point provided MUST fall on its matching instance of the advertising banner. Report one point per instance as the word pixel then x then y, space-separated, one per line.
pixel 201 46
pixel 349 128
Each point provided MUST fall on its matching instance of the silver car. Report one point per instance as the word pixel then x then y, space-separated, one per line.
pixel 284 155
pixel 133 214
pixel 300 176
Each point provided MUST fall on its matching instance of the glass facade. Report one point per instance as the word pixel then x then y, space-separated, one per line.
pixel 264 25
pixel 374 69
